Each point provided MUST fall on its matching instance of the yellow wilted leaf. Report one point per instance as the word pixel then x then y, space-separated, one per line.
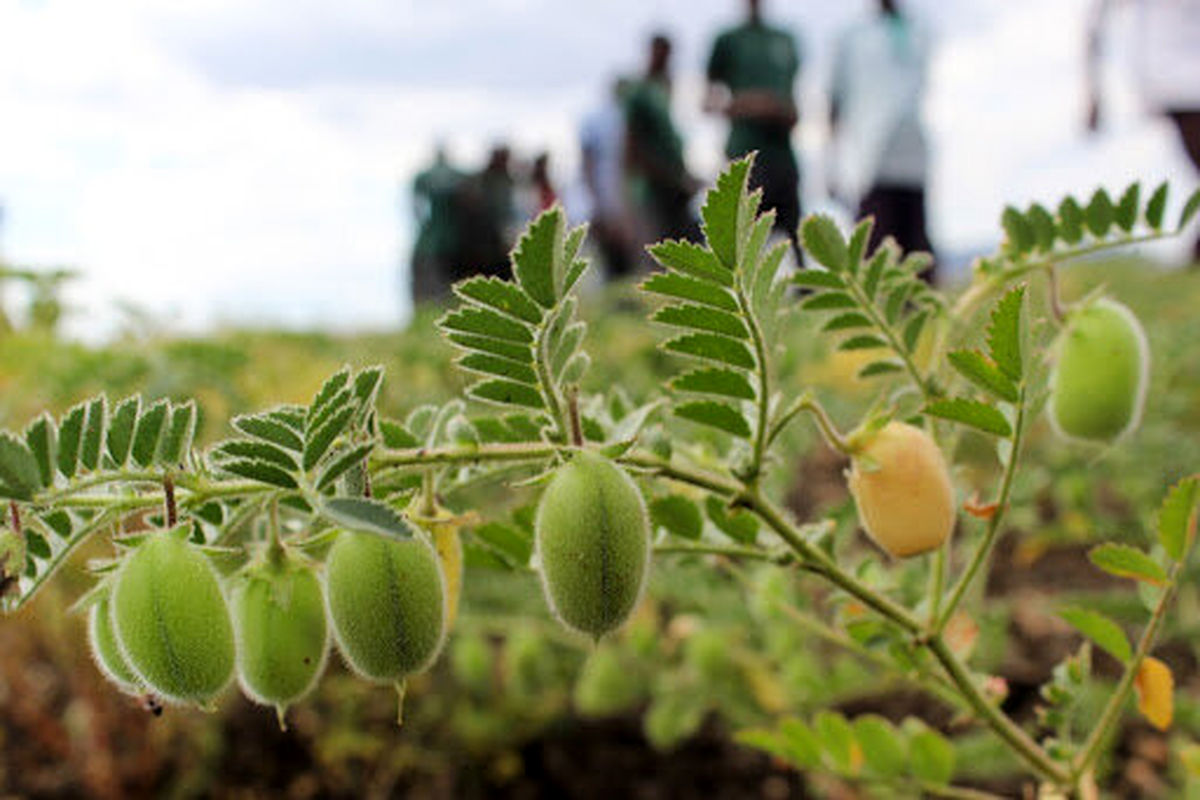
pixel 1155 688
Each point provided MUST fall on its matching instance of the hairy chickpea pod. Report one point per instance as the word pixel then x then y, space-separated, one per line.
pixel 593 538
pixel 106 651
pixel 1101 373
pixel 282 635
pixel 171 620
pixel 387 604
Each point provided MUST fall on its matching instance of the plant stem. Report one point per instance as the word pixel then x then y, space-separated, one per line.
pixel 1116 701
pixel 722 550
pixel 985 546
pixel 573 416
pixel 764 385
pixel 815 560
pixel 1056 308
pixel 937 577
pixel 275 545
pixel 95 480
pixel 997 720
pixel 932 683
pixel 541 362
pixel 77 538
pixel 894 342
pixel 461 454
pixel 172 512
pixel 806 402
pixel 985 287
pixel 667 469
pixel 428 495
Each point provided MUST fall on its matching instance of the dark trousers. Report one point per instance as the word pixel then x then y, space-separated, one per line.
pixel 779 179
pixel 1188 123
pixel 899 212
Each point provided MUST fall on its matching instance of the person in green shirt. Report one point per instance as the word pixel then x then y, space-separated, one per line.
pixel 752 73
pixel 435 200
pixel 659 179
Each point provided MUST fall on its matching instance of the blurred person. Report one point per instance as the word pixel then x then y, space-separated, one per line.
pixel 751 72
pixel 660 183
pixel 545 194
pixel 491 215
pixel 879 81
pixel 1168 66
pixel 436 208
pixel 602 150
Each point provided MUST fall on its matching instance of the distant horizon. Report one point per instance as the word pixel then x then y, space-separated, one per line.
pixel 247 165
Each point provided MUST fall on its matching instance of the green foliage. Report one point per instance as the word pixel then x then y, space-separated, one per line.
pixel 867 748
pixel 522 337
pixel 1125 561
pixel 999 373
pixel 1101 630
pixel 726 296
pixel 890 299
pixel 1035 232
pixel 1177 518
pixel 622 471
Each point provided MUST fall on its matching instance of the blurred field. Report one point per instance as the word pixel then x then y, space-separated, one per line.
pixel 515 709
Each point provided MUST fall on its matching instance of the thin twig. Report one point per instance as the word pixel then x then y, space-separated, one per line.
pixel 984 549
pixel 1116 701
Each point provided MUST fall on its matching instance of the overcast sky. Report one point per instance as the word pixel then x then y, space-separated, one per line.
pixel 243 160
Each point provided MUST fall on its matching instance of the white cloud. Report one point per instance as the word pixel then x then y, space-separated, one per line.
pixel 218 159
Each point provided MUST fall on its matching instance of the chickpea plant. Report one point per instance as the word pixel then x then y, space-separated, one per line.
pixel 322 525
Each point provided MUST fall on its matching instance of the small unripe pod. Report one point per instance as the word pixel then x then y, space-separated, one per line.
pixel 593 539
pixel 282 637
pixel 107 651
pixel 171 620
pixel 902 489
pixel 387 604
pixel 1100 374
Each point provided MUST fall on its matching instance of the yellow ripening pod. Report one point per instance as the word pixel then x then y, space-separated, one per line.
pixel 105 649
pixel 171 620
pixel 387 603
pixel 443 529
pixel 1101 372
pixel 282 637
pixel 902 489
pixel 593 539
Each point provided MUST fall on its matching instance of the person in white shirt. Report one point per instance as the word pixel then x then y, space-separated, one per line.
pixel 875 115
pixel 602 145
pixel 1167 53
